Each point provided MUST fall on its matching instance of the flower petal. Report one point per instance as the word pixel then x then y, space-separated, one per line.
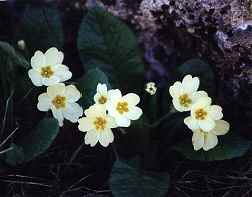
pixel 58 89
pixel 215 112
pixel 53 56
pixel 44 102
pixel 102 89
pixel 73 112
pixel 62 72
pixel 198 140
pixel 202 103
pixel 111 107
pixel 176 89
pixel 95 111
pixel 111 122
pixel 191 123
pixel 38 60
pixel 221 128
pixel 211 141
pixel 122 121
pixel 85 124
pixel 96 98
pixel 35 77
pixel 114 95
pixel 106 137
pixel 207 124
pixel 53 80
pixel 132 99
pixel 134 113
pixel 72 93
pixel 60 57
pixel 190 84
pixel 58 115
pixel 197 95
pixel 91 138
pixel 179 107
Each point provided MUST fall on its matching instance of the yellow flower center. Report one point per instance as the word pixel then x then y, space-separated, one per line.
pixel 122 107
pixel 200 114
pixel 102 100
pixel 100 123
pixel 185 100
pixel 46 72
pixel 59 102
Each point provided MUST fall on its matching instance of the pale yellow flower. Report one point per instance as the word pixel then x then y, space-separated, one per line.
pixel 101 96
pixel 123 108
pixel 203 115
pixel 185 94
pixel 47 69
pixel 97 124
pixel 208 140
pixel 61 100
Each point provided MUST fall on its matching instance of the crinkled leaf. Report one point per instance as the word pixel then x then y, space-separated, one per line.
pixel 127 180
pixel 36 143
pixel 40 28
pixel 106 42
pixel 230 146
pixel 87 86
pixel 198 68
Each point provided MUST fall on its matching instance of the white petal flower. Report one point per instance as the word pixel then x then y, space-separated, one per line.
pixel 101 96
pixel 61 100
pixel 47 69
pixel 151 88
pixel 185 94
pixel 123 108
pixel 208 140
pixel 98 126
pixel 203 115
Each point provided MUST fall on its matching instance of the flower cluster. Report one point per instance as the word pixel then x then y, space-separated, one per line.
pixel 205 119
pixel 111 110
pixel 48 70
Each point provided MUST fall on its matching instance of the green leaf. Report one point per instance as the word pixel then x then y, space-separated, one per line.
pixel 36 143
pixel 198 68
pixel 13 71
pixel 127 180
pixel 106 42
pixel 9 52
pixel 40 28
pixel 15 156
pixel 87 86
pixel 230 146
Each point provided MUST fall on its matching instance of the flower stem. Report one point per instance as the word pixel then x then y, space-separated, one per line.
pixel 159 121
pixel 76 152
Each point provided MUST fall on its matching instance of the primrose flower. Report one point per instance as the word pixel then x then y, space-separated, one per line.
pixel 185 94
pixel 47 69
pixel 151 88
pixel 203 115
pixel 101 96
pixel 61 100
pixel 208 140
pixel 98 125
pixel 123 108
